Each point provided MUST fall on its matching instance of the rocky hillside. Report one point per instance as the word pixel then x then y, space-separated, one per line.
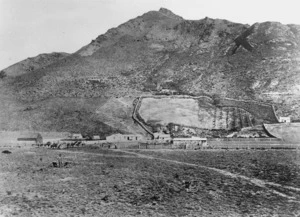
pixel 155 53
pixel 33 63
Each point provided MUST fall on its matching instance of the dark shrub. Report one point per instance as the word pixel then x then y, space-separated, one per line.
pixel 2 74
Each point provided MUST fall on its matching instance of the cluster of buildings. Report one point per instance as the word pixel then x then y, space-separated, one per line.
pixel 162 138
pixel 190 142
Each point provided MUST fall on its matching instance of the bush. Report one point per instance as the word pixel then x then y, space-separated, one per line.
pixel 2 74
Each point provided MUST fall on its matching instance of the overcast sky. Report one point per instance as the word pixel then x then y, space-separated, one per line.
pixel 31 27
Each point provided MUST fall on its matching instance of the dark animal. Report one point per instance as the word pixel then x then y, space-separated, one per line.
pixel 54 145
pixel 74 144
pixel 6 152
pixel 105 198
pixel 176 176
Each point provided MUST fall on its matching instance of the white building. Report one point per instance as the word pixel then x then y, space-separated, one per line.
pixel 124 137
pixel 190 143
pixel 162 137
pixel 96 137
pixel 76 136
pixel 285 119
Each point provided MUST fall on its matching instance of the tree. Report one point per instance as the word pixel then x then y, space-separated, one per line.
pixel 216 100
pixel 2 74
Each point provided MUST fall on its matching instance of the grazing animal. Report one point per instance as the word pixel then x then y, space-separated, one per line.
pixel 78 144
pixel 49 145
pixel 54 145
pixel 6 152
pixel 62 146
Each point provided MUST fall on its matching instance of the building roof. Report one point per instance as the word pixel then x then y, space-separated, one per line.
pixel 29 135
pixel 161 135
pixel 118 134
pixel 190 139
pixel 131 134
pixel 165 135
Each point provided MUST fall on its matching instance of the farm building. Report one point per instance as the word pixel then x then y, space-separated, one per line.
pixel 96 137
pixel 189 143
pixel 285 119
pixel 76 136
pixel 162 137
pixel 30 137
pixel 124 137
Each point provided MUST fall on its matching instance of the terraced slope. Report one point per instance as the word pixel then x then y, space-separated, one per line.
pixel 202 112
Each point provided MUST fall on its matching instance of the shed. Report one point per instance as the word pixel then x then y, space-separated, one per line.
pixel 124 137
pixel 190 143
pixel 31 137
pixel 285 119
pixel 162 137
pixel 96 137
pixel 77 136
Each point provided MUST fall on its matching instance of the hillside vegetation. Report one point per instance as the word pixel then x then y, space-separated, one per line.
pixel 156 52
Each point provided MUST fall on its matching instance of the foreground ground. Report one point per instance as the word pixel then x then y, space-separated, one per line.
pixel 99 182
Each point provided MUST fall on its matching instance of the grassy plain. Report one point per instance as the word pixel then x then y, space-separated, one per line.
pixel 99 182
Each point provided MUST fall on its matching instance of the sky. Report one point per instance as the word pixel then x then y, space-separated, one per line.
pixel 32 27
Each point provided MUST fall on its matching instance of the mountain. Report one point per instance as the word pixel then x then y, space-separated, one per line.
pixel 94 88
pixel 33 63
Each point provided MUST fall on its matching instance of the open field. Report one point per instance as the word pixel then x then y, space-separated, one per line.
pixel 203 112
pixel 99 182
pixel 278 166
pixel 172 110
